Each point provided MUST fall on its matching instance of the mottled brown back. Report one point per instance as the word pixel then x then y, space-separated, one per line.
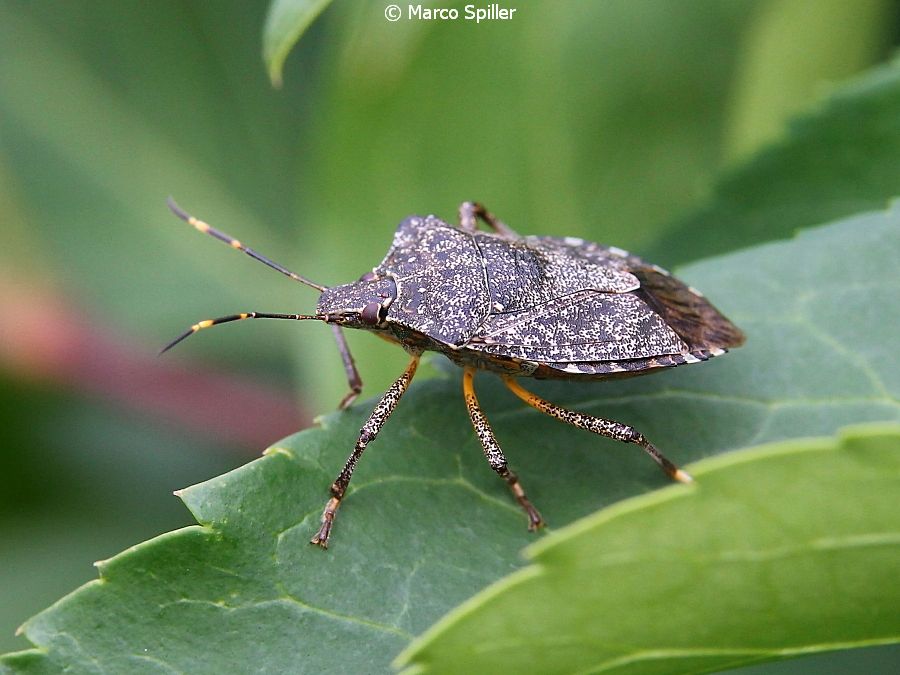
pixel 689 314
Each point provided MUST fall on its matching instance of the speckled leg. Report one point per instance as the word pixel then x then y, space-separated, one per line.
pixel 492 450
pixel 598 425
pixel 366 435
pixel 470 212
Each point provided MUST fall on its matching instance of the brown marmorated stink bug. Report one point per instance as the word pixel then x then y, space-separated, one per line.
pixel 542 307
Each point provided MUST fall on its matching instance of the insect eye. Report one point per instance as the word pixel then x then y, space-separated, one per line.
pixel 368 276
pixel 372 314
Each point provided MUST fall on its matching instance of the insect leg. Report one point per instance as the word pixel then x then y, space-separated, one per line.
pixel 353 378
pixel 492 451
pixel 470 212
pixel 598 425
pixel 366 435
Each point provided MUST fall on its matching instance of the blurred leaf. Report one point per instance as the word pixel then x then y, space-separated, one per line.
pixel 779 551
pixel 840 159
pixel 776 78
pixel 285 23
pixel 552 119
pixel 98 138
pixel 426 524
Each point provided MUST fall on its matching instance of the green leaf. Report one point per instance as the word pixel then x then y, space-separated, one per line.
pixel 426 524
pixel 771 83
pixel 838 159
pixel 286 21
pixel 94 171
pixel 782 550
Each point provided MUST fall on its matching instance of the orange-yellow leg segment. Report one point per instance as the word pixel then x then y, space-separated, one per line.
pixel 492 451
pixel 598 425
pixel 366 435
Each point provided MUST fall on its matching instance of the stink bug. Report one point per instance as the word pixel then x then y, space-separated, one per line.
pixel 542 307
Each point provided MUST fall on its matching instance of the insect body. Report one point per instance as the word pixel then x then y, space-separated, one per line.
pixel 539 307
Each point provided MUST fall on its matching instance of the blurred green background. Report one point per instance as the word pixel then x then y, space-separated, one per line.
pixel 608 120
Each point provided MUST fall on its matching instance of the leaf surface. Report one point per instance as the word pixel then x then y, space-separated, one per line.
pixel 786 549
pixel 426 524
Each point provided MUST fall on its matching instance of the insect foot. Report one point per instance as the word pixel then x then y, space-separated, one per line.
pixel 324 532
pixel 535 521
